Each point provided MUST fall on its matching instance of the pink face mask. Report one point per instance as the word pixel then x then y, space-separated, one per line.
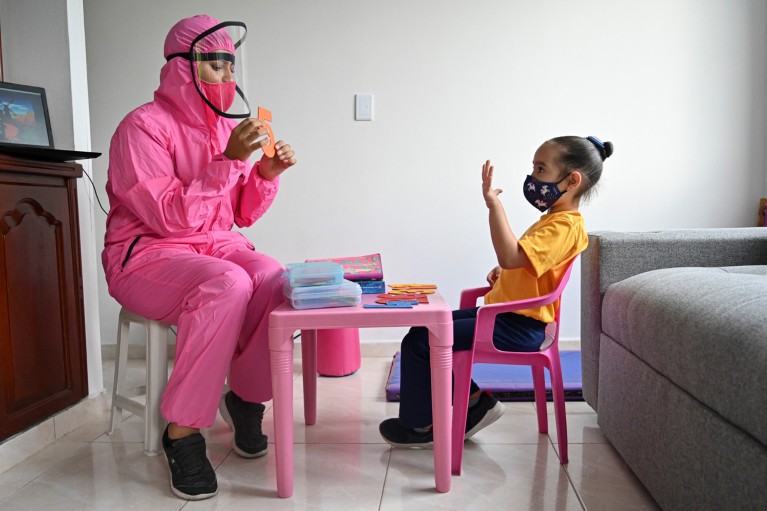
pixel 221 95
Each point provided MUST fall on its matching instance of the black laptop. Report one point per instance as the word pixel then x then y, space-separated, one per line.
pixel 25 128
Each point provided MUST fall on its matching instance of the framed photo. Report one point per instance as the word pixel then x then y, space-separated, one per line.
pixel 24 116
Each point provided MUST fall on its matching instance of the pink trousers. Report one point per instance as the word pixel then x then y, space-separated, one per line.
pixel 219 292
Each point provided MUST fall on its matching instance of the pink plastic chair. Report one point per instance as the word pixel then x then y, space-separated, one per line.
pixel 485 351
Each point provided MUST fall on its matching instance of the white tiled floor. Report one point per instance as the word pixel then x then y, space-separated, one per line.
pixel 340 463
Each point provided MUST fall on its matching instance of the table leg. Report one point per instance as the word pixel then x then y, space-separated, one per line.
pixel 309 367
pixel 281 354
pixel 441 353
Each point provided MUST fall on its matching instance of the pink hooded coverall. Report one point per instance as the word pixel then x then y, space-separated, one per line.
pixel 170 253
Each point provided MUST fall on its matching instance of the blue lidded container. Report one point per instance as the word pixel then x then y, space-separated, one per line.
pixel 314 274
pixel 346 294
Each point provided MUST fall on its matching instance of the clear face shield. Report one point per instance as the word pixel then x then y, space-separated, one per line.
pixel 215 59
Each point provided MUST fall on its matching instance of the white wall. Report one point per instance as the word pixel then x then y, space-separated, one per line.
pixel 35 52
pixel 679 87
pixel 44 46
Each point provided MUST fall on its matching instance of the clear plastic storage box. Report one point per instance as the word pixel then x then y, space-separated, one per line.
pixel 346 294
pixel 314 274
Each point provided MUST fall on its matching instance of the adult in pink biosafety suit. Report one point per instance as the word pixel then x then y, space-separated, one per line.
pixel 179 179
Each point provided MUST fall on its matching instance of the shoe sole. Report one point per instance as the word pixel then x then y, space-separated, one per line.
pixel 182 495
pixel 492 415
pixel 228 419
pixel 425 445
pixel 178 493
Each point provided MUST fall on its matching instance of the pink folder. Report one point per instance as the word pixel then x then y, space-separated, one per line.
pixel 367 267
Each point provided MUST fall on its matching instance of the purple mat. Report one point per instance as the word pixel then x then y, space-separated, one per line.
pixel 508 383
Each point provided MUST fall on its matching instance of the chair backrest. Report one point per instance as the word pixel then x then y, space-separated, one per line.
pixel 557 293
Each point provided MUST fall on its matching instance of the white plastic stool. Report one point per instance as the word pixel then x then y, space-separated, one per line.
pixel 156 379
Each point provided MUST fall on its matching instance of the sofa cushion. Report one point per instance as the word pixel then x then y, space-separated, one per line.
pixel 705 329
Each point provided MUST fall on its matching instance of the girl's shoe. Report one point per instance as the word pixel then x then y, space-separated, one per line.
pixel 487 410
pixel 399 436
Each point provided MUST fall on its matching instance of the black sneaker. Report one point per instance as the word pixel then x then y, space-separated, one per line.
pixel 245 420
pixel 191 475
pixel 487 410
pixel 399 436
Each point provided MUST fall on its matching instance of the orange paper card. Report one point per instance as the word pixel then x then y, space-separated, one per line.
pixel 265 116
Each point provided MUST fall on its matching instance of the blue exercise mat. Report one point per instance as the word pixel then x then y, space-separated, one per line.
pixel 506 382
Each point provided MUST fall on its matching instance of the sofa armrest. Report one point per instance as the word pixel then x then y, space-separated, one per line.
pixel 615 256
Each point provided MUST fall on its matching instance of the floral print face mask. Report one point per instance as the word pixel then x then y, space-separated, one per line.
pixel 541 194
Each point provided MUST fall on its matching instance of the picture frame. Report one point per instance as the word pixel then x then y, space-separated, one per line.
pixel 24 118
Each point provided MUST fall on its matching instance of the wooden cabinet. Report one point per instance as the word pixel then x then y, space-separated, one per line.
pixel 42 333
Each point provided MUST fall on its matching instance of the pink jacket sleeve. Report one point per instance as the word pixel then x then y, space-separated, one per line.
pixel 256 196
pixel 145 179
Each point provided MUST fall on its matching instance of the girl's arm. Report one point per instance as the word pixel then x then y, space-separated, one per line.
pixel 507 248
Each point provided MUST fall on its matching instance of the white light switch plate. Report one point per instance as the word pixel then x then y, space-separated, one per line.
pixel 363 107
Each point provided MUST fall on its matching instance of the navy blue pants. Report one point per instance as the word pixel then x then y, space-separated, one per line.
pixel 512 332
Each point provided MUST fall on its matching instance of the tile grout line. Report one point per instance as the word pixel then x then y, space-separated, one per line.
pixel 386 476
pixel 567 472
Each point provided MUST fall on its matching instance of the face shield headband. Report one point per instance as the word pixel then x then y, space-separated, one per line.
pixel 196 57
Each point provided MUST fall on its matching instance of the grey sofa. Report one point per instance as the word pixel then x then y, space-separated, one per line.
pixel 674 353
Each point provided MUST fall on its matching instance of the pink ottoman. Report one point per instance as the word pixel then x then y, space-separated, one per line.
pixel 338 351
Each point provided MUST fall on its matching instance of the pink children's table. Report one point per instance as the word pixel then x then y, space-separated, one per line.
pixel 285 320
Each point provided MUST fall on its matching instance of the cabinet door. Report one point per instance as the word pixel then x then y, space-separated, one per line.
pixel 42 342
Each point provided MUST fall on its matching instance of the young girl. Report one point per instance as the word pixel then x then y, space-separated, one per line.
pixel 565 170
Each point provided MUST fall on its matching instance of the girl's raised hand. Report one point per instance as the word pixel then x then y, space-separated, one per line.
pixel 490 194
pixel 284 157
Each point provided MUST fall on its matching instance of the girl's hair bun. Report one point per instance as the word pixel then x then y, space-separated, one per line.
pixel 605 148
pixel 608 149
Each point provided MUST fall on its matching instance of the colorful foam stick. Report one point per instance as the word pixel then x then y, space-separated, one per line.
pixel 265 116
pixel 399 304
pixel 410 291
pixel 388 297
pixel 412 288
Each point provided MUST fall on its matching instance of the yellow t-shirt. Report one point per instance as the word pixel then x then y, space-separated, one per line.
pixel 550 243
